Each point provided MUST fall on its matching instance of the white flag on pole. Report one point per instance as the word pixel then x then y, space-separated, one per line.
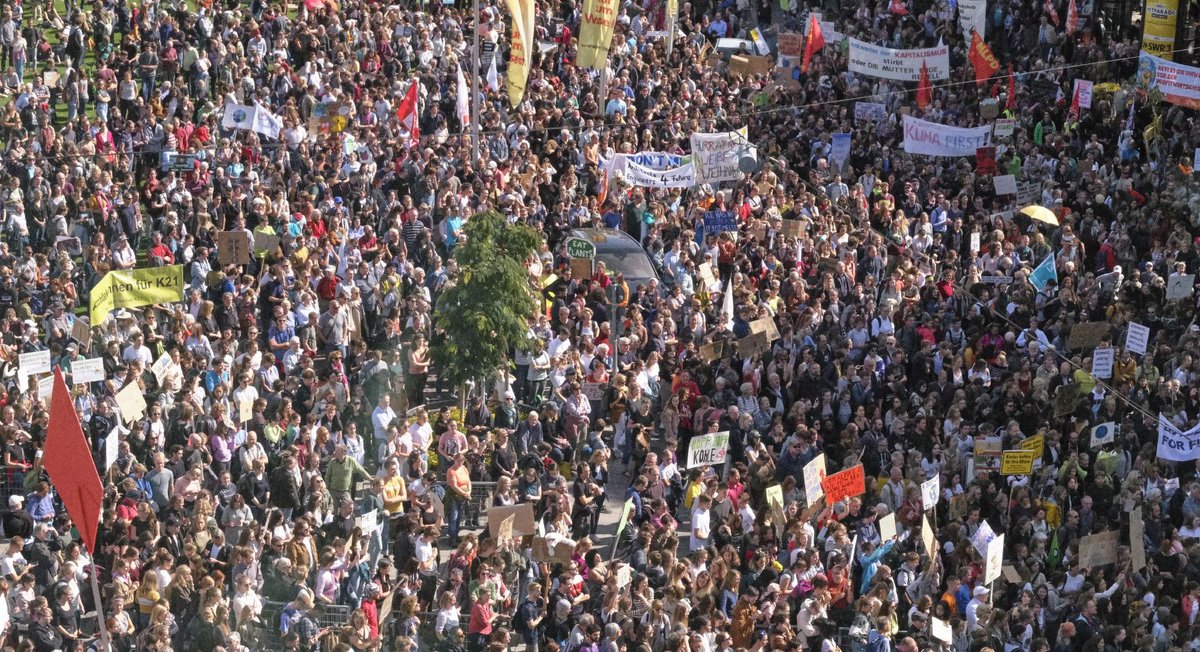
pixel 266 123
pixel 462 101
pixel 237 116
pixel 493 77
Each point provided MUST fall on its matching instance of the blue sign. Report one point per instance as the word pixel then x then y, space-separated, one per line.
pixel 719 222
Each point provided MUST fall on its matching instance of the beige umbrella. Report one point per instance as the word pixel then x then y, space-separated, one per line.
pixel 1041 214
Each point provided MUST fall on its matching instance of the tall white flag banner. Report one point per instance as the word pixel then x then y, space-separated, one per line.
pixel 266 123
pixel 933 139
pixel 462 100
pixel 899 65
pixel 972 15
pixel 716 155
pixel 1175 445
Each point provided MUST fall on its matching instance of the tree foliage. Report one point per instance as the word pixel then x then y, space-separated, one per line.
pixel 483 312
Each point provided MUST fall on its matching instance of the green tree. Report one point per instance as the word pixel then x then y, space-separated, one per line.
pixel 483 312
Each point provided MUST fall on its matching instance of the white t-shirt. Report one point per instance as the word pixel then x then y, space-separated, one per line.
pixel 700 523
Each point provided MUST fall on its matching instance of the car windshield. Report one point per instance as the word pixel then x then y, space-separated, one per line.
pixel 632 263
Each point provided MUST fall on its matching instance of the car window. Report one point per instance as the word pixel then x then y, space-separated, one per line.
pixel 633 264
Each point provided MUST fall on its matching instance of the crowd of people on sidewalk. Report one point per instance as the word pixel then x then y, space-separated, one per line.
pixel 302 477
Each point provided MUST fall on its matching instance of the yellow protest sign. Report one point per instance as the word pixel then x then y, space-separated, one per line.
pixel 1036 444
pixel 1019 462
pixel 135 287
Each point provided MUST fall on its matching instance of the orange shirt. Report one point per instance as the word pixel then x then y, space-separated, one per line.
pixel 459 478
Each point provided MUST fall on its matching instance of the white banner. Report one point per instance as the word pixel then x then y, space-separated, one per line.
pixel 870 111
pixel 708 450
pixel 1175 445
pixel 933 139
pixel 683 176
pixel 1179 84
pixel 899 65
pixel 972 15
pixel 87 371
pixel 32 364
pixel 716 155
pixel 254 118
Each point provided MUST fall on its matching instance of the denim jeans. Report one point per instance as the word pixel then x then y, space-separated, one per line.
pixel 454 513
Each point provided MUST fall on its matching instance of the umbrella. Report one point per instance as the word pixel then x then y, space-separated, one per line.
pixel 1041 214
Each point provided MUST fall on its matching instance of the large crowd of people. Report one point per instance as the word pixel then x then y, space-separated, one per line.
pixel 303 477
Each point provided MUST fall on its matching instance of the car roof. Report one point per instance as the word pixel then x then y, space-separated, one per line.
pixel 608 239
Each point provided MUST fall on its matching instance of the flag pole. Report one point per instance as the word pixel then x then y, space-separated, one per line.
pixel 475 86
pixel 101 619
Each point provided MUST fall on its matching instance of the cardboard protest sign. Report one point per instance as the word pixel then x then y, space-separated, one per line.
pixel 504 534
pixel 927 537
pixel 714 351
pixel 845 484
pixel 753 345
pixel 1087 334
pixel 1137 540
pixel 765 325
pixel 131 402
pixel 1099 549
pixel 887 527
pixel 233 247
pixel 523 519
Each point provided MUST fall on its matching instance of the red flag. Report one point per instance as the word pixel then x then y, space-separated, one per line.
pixel 1074 113
pixel 69 463
pixel 924 90
pixel 1072 18
pixel 813 43
pixel 406 113
pixel 1011 101
pixel 1048 6
pixel 982 59
pixel 898 8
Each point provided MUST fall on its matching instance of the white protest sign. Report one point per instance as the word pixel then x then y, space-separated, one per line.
pixel 1104 433
pixel 1179 286
pixel 112 444
pixel 131 403
pixel 933 139
pixel 708 450
pixel 32 364
pixel 975 242
pixel 940 630
pixel 1175 445
pixel 1004 127
pixel 369 522
pixel 814 473
pixel 716 155
pixel 972 15
pixel 1083 88
pixel 871 112
pixel 162 367
pixel 1028 192
pixel 90 370
pixel 1006 184
pixel 995 559
pixel 1102 362
pixel 899 65
pixel 887 527
pixel 931 490
pixel 45 386
pixel 983 536
pixel 1137 338
pixel 1196 159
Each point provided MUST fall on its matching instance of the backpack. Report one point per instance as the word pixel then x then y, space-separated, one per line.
pixel 519 623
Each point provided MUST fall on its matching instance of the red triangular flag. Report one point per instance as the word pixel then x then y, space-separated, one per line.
pixel 1048 6
pixel 982 59
pixel 813 43
pixel 924 91
pixel 1011 101
pixel 1072 18
pixel 69 463
pixel 1075 103
pixel 898 8
pixel 406 113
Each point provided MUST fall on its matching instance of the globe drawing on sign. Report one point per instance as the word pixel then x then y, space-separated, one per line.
pixel 239 115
